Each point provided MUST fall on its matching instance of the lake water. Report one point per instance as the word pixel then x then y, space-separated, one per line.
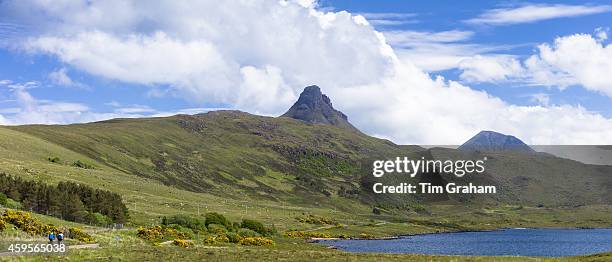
pixel 508 242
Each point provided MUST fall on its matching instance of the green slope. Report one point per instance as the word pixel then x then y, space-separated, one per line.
pixel 275 169
pixel 227 153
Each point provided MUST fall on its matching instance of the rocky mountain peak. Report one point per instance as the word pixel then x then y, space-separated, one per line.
pixel 316 108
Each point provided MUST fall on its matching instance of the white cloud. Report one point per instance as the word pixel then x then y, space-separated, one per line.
pixel 410 38
pixel 601 33
pixel 579 59
pixel 410 107
pixel 188 111
pixel 314 47
pixel 32 110
pixel 26 109
pixel 135 109
pixel 491 68
pixel 535 12
pixel 263 89
pixel 60 77
pixel 389 19
pixel 257 55
pixel 436 51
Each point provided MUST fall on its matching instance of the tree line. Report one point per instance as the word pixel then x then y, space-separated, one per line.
pixel 66 200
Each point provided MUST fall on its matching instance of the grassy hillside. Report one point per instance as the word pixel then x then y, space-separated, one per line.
pixel 279 170
pixel 235 154
pixel 228 153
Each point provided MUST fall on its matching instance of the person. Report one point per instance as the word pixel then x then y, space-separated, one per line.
pixel 51 237
pixel 60 237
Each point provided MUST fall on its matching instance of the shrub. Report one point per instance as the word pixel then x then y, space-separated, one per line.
pixel 150 234
pixel 366 236
pixel 80 235
pixel 173 233
pixel 179 229
pixel 256 241
pixel 100 219
pixel 419 208
pixel 213 239
pixel 208 240
pixel 302 234
pixel 216 218
pixel 182 243
pixel 81 164
pixel 233 237
pixel 313 219
pixel 192 223
pixel 216 229
pixel 245 232
pixel 28 224
pixel 222 238
pixel 2 225
pixel 10 203
pixel 257 227
pixel 158 233
pixel 54 159
pixel 3 199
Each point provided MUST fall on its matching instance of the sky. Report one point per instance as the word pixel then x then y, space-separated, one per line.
pixel 413 72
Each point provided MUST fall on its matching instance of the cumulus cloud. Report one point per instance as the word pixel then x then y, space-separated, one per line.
pixel 257 56
pixel 579 59
pixel 490 68
pixel 202 49
pixel 535 12
pixel 412 107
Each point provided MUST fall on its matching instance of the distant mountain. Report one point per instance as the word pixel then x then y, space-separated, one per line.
pixel 314 107
pixel 493 141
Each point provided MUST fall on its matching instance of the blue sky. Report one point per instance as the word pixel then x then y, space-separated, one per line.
pixel 519 39
pixel 80 67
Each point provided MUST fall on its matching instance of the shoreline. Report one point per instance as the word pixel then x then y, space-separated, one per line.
pixel 318 239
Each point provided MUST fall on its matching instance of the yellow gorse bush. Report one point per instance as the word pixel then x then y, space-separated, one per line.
pixel 80 235
pixel 302 234
pixel 158 233
pixel 182 243
pixel 256 241
pixel 212 239
pixel 27 223
pixel 314 219
pixel 151 233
